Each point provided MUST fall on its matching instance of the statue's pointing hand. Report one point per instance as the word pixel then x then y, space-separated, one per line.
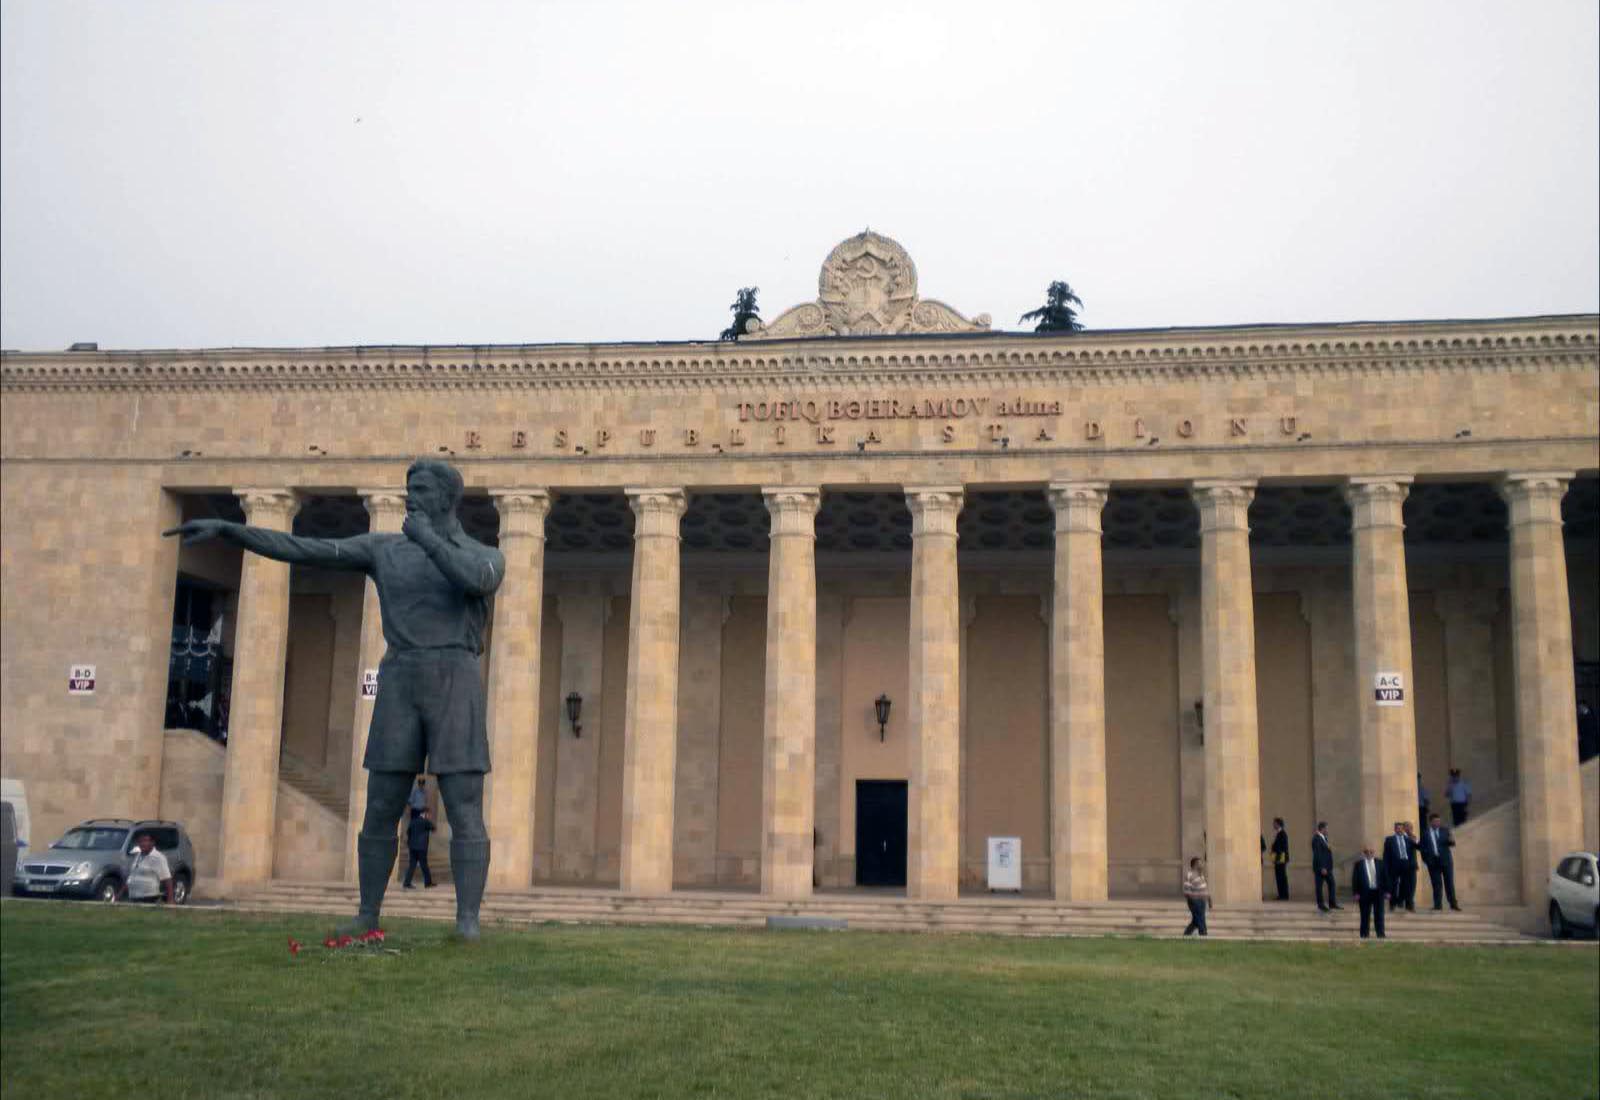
pixel 197 530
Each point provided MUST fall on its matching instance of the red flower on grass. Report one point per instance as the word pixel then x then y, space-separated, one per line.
pixel 294 946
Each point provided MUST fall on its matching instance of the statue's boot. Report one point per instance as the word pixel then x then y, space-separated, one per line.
pixel 374 864
pixel 469 866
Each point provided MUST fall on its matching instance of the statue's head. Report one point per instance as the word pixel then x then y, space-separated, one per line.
pixel 433 488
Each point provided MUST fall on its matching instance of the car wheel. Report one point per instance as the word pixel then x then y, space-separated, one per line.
pixel 107 891
pixel 1558 923
pixel 180 889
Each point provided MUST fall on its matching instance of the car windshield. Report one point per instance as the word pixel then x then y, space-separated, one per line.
pixel 92 839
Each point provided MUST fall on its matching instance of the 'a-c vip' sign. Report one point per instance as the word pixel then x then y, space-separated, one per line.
pixel 1389 689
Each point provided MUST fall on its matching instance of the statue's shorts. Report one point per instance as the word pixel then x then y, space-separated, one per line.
pixel 429 714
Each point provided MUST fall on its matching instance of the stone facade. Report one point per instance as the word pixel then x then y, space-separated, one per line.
pixel 949 517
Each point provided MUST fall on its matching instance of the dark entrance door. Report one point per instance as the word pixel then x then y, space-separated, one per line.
pixel 880 832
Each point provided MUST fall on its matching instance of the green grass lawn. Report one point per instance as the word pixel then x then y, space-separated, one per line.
pixel 122 1001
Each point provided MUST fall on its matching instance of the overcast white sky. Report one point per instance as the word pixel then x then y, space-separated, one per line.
pixel 213 174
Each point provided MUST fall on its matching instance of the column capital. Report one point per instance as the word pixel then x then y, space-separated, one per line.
pixel 384 505
pixel 522 511
pixel 656 511
pixel 1078 505
pixel 1224 504
pixel 1534 496
pixel 793 509
pixel 934 508
pixel 1376 501
pixel 269 507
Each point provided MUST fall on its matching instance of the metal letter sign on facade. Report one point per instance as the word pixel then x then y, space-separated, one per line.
pixel 369 684
pixel 1389 689
pixel 80 680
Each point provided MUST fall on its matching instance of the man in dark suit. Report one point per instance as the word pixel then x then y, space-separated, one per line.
pixel 1280 858
pixel 1369 881
pixel 1436 844
pixel 1322 867
pixel 1399 855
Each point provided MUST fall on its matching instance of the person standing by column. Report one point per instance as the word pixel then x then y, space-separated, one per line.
pixel 1369 882
pixel 1322 867
pixel 1397 857
pixel 1458 792
pixel 1280 858
pixel 1436 845
pixel 1198 895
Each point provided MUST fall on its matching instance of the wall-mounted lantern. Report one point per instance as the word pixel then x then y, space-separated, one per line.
pixel 881 705
pixel 1200 718
pixel 574 709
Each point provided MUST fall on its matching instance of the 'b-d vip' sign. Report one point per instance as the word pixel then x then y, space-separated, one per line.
pixel 80 680
pixel 1389 689
pixel 369 684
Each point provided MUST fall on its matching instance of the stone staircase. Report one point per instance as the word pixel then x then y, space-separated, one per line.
pixel 313 782
pixel 871 911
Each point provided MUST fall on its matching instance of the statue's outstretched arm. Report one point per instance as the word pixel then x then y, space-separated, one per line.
pixel 351 553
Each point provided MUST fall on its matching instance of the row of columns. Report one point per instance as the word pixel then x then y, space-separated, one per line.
pixel 1551 808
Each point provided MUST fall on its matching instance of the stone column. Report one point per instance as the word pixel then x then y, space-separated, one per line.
pixel 934 810
pixel 789 708
pixel 1382 613
pixel 1079 859
pixel 386 511
pixel 650 723
pixel 1468 615
pixel 1548 785
pixel 1228 657
pixel 513 690
pixel 255 727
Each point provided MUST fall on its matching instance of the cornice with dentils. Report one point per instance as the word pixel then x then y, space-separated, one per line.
pixel 1086 358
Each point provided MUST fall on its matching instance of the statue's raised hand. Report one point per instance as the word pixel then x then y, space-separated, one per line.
pixel 197 530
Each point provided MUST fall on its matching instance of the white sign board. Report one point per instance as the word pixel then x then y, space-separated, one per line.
pixel 1005 863
pixel 80 680
pixel 1389 689
pixel 369 684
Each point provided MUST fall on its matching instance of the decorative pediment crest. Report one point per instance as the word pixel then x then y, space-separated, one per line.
pixel 868 287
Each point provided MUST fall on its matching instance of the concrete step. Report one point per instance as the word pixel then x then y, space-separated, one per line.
pixel 978 915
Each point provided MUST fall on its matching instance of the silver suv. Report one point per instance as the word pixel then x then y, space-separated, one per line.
pixel 91 860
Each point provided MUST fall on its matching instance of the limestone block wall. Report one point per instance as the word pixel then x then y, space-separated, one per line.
pixel 1488 858
pixel 739 766
pixel 85 579
pixel 309 841
pixel 1006 766
pixel 1591 805
pixel 191 792
pixel 1143 790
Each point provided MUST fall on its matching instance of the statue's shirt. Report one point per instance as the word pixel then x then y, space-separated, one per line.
pixel 427 603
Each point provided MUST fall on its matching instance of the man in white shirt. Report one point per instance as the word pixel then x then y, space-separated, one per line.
pixel 149 876
pixel 1368 882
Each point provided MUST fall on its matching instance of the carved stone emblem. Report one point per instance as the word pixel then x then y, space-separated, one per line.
pixel 868 287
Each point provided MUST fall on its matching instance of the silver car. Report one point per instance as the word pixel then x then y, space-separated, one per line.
pixel 1575 895
pixel 91 860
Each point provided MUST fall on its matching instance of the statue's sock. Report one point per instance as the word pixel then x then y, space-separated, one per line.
pixel 469 866
pixel 374 864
